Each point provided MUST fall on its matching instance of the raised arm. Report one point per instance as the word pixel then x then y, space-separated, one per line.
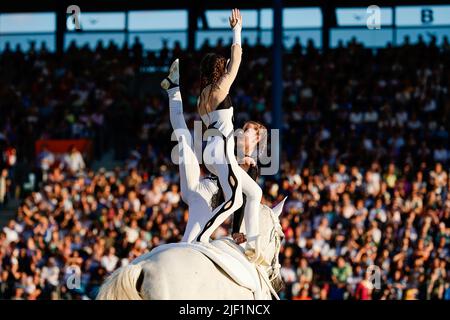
pixel 236 52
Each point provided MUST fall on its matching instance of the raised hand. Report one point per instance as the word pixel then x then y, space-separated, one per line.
pixel 235 18
pixel 249 161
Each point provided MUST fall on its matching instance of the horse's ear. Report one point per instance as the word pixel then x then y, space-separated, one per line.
pixel 279 207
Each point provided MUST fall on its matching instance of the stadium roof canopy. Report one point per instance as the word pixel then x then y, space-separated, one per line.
pixel 196 11
pixel 115 5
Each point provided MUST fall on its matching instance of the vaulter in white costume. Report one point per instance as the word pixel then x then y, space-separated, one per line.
pixel 216 112
pixel 198 192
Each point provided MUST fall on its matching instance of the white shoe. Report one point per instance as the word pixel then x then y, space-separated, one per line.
pixel 173 79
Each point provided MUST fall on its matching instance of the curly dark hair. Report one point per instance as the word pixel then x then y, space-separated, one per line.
pixel 212 67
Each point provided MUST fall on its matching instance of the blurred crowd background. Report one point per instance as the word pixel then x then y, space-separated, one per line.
pixel 365 165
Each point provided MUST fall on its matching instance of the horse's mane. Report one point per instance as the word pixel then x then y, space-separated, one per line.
pixel 269 217
pixel 269 221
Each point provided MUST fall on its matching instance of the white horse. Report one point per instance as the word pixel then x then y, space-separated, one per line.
pixel 183 273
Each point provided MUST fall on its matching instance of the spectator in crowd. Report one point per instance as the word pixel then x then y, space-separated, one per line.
pixel 4 187
pixel 46 159
pixel 110 260
pixel 340 273
pixel 50 275
pixel 304 295
pixel 304 272
pixel 73 160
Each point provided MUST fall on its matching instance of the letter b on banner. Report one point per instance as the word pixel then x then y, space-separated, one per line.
pixel 426 16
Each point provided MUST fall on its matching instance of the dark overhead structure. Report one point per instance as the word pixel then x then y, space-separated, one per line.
pixel 196 10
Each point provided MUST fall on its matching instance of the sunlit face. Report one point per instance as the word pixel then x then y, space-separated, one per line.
pixel 251 136
pixel 251 132
pixel 438 168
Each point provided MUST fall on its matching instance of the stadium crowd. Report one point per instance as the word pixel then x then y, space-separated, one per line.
pixel 365 166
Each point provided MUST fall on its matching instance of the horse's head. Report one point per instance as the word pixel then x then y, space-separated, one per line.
pixel 271 237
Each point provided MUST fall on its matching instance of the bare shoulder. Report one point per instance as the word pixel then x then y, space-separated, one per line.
pixel 202 100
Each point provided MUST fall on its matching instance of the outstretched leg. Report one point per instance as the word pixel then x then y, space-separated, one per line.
pixel 199 211
pixel 193 193
pixel 189 167
pixel 172 87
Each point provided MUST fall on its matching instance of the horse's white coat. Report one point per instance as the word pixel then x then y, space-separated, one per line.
pixel 183 273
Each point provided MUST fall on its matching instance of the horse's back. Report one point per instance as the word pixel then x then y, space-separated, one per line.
pixel 184 273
